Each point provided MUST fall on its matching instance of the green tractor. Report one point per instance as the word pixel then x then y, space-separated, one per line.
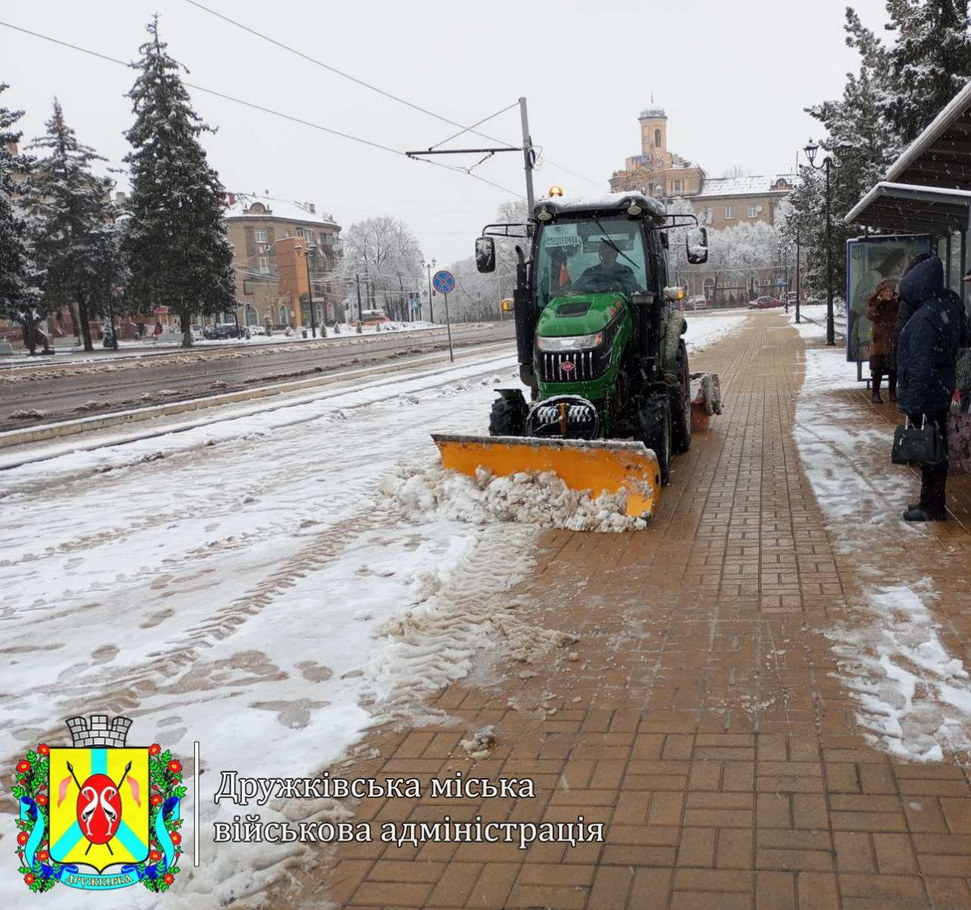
pixel 600 350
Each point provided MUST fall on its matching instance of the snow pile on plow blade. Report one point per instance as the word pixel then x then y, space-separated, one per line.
pixel 595 465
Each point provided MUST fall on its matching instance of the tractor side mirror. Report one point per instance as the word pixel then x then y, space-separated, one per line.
pixel 696 245
pixel 642 298
pixel 485 254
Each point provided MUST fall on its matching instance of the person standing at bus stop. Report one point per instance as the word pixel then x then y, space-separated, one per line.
pixel 881 310
pixel 926 356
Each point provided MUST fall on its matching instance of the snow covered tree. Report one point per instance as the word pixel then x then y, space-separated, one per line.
pixel 175 241
pixel 929 64
pixel 70 208
pixel 678 266
pixel 512 212
pixel 385 256
pixel 737 254
pixel 18 276
pixel 897 91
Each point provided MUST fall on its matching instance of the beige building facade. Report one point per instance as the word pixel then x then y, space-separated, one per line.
pixel 727 201
pixel 255 226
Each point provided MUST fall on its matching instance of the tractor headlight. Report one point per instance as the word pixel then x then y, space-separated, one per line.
pixel 570 342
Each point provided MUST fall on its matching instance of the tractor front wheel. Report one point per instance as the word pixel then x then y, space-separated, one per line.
pixel 508 417
pixel 655 419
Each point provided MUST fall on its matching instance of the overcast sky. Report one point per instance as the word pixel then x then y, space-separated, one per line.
pixel 733 78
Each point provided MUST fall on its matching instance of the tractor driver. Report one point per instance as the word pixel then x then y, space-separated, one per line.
pixel 607 275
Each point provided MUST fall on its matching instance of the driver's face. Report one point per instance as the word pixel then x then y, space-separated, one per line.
pixel 608 255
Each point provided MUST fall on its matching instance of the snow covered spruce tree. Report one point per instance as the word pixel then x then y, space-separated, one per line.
pixel 175 240
pixel 929 63
pixel 71 210
pixel 900 87
pixel 18 276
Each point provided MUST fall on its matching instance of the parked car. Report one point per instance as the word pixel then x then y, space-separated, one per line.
pixel 765 303
pixel 221 330
pixel 373 317
pixel 252 330
pixel 696 302
pixel 811 301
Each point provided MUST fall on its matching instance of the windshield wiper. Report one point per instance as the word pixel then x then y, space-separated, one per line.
pixel 610 243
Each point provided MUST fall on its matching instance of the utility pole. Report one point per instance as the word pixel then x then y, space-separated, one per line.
pixel 529 156
pixel 360 315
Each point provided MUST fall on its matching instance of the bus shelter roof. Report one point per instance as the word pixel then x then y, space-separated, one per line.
pixel 928 187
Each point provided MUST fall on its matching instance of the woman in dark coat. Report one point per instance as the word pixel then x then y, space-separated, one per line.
pixel 881 310
pixel 926 356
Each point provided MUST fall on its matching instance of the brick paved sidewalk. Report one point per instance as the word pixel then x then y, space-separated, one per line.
pixel 703 718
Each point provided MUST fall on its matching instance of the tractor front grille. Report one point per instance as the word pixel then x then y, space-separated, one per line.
pixel 578 366
pixel 570 366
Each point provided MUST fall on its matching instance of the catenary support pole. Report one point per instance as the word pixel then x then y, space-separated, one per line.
pixel 528 156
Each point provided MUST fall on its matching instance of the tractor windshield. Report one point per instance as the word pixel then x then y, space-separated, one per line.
pixel 589 256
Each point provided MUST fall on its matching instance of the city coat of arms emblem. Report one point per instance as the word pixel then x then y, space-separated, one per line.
pixel 99 815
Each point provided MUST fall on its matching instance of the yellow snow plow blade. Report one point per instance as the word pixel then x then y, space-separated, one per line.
pixel 595 465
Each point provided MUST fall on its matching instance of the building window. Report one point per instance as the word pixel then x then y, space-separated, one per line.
pixel 753 211
pixel 678 186
pixel 260 236
pixel 707 215
pixel 264 265
pixel 283 316
pixel 247 287
pixel 657 138
pixel 729 212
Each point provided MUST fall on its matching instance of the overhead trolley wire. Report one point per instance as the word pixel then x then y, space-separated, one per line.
pixel 465 129
pixel 258 107
pixel 344 75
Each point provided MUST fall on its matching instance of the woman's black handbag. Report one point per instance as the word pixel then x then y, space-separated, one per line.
pixel 918 445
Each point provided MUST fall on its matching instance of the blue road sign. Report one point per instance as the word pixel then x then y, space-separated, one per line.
pixel 443 282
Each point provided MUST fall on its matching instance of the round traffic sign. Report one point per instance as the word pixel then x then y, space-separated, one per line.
pixel 443 282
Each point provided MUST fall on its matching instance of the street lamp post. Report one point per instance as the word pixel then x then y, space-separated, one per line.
pixel 827 163
pixel 793 221
pixel 431 309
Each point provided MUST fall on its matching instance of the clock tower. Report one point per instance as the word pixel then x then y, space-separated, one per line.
pixel 654 138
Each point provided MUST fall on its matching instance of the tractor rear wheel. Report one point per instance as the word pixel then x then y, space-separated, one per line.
pixel 508 418
pixel 655 419
pixel 681 404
